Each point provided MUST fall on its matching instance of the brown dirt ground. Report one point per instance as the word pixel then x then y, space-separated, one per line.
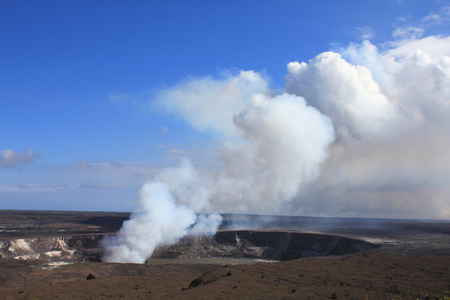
pixel 401 270
pixel 362 276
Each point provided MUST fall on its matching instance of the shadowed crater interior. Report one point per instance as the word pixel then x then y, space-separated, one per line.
pixel 271 245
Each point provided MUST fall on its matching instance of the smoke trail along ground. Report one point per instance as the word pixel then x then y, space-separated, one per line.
pixel 389 111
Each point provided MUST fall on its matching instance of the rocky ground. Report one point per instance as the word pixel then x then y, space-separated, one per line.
pixel 411 260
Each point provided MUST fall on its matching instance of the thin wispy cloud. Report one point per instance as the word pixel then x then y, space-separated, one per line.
pixel 10 158
pixel 364 33
pixel 100 186
pixel 409 32
pixel 407 28
pixel 178 151
pixel 31 186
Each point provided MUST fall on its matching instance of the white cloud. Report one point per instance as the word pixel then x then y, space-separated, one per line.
pixel 346 93
pixel 217 100
pixel 83 163
pixel 432 19
pixel 434 46
pixel 409 32
pixel 414 29
pixel 119 98
pixel 403 170
pixel 31 186
pixel 100 186
pixel 177 151
pixel 365 32
pixel 10 158
pixel 436 18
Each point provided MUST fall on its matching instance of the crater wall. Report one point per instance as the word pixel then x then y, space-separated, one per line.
pixel 66 248
pixel 272 245
pixel 268 245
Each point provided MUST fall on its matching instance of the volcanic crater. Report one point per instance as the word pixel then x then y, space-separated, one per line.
pixel 48 255
pixel 50 236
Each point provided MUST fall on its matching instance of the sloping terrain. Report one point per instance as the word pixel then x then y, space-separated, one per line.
pixel 362 276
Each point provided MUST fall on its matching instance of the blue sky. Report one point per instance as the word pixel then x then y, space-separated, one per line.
pixel 79 79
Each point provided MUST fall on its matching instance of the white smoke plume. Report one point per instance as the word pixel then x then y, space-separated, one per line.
pixel 271 146
pixel 161 221
pixel 362 132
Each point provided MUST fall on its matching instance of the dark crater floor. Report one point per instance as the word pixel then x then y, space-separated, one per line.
pixel 266 245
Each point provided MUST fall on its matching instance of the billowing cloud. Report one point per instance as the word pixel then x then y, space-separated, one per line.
pixel 10 158
pixel 363 132
pixel 271 146
pixel 277 146
pixel 346 93
pixel 398 165
pixel 434 46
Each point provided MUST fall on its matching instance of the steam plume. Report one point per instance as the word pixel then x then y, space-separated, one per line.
pixel 362 132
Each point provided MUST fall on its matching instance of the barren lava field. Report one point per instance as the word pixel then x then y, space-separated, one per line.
pixel 409 260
